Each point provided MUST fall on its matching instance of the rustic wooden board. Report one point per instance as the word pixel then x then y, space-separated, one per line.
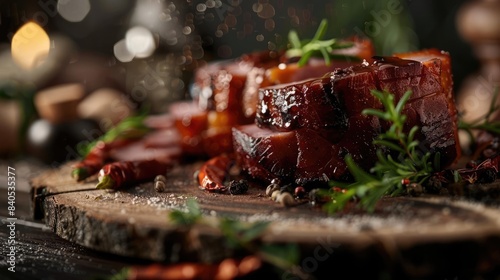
pixel 410 236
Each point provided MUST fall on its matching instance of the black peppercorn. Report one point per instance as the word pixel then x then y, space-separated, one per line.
pixel 238 187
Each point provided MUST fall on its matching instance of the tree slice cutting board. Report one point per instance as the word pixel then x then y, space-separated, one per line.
pixel 418 237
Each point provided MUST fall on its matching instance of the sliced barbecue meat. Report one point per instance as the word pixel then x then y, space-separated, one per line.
pixel 436 117
pixel 219 86
pixel 322 160
pixel 304 155
pixel 233 85
pixel 202 133
pixel 310 103
pixel 322 119
pixel 138 151
pixel 164 138
pixel 190 121
pixel 288 71
pixel 226 94
pixel 264 153
pixel 217 140
pixel 327 102
pixel 424 56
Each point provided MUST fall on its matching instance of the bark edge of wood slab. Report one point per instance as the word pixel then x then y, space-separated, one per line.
pixel 410 237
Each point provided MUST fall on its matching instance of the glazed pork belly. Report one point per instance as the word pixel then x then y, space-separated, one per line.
pixel 304 130
pixel 226 94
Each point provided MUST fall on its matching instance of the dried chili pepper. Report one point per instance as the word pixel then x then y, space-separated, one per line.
pixel 95 159
pixel 114 175
pixel 484 172
pixel 227 269
pixel 213 173
pixel 96 153
pixel 491 162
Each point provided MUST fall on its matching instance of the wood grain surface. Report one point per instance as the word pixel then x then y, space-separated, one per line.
pixel 406 236
pixel 41 254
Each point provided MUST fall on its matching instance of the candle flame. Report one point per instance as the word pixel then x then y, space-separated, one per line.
pixel 30 45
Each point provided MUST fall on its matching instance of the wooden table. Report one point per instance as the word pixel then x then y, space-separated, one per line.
pixel 432 236
pixel 42 254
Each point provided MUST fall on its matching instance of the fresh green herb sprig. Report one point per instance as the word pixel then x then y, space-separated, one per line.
pixel 242 235
pixel 188 218
pixel 129 128
pixel 485 122
pixel 316 46
pixel 390 174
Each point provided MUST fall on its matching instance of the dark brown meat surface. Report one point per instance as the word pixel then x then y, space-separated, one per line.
pixel 327 102
pixel 287 71
pixel 304 155
pixel 226 94
pixel 304 130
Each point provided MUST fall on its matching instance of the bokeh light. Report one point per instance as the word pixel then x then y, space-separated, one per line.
pixel 140 41
pixel 73 10
pixel 30 45
pixel 121 51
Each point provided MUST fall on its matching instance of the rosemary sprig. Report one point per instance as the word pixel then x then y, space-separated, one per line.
pixel 315 47
pixel 485 122
pixel 390 174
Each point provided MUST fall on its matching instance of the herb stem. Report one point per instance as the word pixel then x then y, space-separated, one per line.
pixel 386 177
pixel 314 47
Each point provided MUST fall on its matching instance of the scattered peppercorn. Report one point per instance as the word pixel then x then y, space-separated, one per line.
pixel 160 178
pixel 285 199
pixel 274 195
pixel 238 187
pixel 160 186
pixel 271 188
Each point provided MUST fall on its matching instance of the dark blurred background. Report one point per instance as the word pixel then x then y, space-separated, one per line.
pixel 142 53
pixel 228 28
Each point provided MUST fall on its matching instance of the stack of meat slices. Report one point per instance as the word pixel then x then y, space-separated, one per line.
pixel 226 94
pixel 304 130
